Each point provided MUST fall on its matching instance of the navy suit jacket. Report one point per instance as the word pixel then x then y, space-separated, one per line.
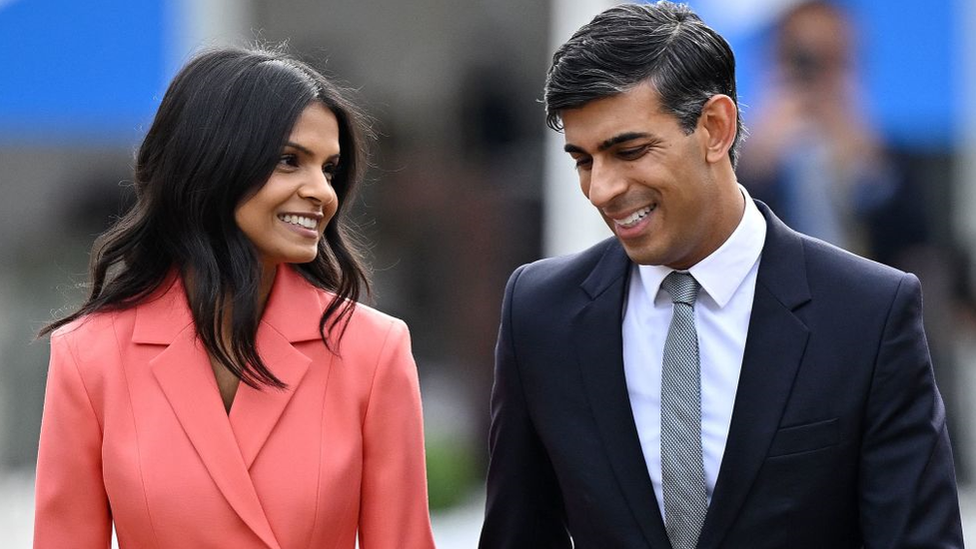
pixel 838 436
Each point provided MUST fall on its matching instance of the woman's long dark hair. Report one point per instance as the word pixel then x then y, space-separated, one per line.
pixel 215 140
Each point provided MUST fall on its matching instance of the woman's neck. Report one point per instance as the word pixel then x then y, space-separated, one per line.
pixel 268 274
pixel 264 290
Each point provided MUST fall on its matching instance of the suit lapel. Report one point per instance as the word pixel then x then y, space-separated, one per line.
pixel 598 339
pixel 228 446
pixel 775 345
pixel 185 377
pixel 291 315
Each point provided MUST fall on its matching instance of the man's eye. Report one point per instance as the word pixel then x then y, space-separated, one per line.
pixel 632 153
pixel 582 163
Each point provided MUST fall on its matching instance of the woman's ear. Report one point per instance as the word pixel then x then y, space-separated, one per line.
pixel 719 122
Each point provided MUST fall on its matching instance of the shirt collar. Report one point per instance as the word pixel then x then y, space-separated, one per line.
pixel 722 272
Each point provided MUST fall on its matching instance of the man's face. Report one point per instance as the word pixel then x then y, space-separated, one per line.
pixel 648 178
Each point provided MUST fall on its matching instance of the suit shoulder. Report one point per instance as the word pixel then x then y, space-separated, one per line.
pixel 368 320
pixel 569 269
pixel 91 343
pixel 362 317
pixel 834 270
pixel 376 341
pixel 827 256
pixel 91 326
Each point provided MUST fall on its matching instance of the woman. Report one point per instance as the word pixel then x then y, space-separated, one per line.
pixel 221 387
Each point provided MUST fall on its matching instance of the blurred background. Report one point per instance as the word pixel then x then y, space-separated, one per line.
pixel 862 133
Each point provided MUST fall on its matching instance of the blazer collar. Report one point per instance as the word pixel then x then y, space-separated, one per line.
pixel 599 350
pixel 228 446
pixel 294 306
pixel 293 310
pixel 164 314
pixel 782 269
pixel 611 266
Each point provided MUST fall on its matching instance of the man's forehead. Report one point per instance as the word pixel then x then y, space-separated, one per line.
pixel 628 111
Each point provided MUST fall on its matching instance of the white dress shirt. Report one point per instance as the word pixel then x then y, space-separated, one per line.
pixel 728 284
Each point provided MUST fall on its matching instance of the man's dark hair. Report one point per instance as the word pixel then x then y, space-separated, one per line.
pixel 665 44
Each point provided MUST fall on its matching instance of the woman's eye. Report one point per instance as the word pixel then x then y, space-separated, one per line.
pixel 330 170
pixel 289 160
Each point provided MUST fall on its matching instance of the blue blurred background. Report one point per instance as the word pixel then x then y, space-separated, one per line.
pixel 464 181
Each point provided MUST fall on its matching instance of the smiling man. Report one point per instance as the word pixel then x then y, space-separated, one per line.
pixel 707 377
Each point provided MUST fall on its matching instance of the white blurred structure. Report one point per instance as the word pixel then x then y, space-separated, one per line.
pixel 570 223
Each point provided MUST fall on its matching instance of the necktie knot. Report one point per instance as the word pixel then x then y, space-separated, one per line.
pixel 682 287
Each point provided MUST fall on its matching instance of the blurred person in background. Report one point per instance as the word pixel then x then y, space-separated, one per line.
pixel 221 386
pixel 777 393
pixel 813 156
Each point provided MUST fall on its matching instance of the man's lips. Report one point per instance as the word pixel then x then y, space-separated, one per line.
pixel 634 218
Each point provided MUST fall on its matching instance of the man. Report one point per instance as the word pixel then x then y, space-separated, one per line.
pixel 776 392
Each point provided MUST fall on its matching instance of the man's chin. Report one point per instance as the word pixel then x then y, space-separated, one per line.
pixel 640 254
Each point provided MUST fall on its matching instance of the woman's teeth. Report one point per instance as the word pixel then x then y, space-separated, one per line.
pixel 633 218
pixel 300 220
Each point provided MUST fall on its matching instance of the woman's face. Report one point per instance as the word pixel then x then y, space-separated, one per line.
pixel 286 217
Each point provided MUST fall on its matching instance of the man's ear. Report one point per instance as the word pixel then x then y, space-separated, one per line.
pixel 718 121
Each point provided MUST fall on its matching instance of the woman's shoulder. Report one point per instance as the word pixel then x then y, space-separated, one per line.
pixel 89 326
pixel 379 340
pixel 166 300
pixel 294 297
pixel 298 303
pixel 92 343
pixel 365 318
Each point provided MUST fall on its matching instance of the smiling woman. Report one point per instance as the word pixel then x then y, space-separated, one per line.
pixel 285 217
pixel 233 266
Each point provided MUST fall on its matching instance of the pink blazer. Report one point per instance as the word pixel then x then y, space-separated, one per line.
pixel 134 431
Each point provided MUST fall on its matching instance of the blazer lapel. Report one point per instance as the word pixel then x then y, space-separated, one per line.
pixel 291 315
pixel 598 338
pixel 185 377
pixel 775 345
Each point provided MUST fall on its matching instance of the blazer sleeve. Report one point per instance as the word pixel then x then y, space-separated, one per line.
pixel 907 480
pixel 71 506
pixel 524 506
pixel 394 510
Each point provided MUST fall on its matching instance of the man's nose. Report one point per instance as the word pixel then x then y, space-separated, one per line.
pixel 605 184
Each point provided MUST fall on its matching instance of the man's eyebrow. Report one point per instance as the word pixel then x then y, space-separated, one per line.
pixel 615 140
pixel 621 138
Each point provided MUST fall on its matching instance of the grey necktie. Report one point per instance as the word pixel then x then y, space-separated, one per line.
pixel 682 471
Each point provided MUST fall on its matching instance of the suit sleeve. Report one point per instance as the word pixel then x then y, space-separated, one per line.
pixel 394 511
pixel 71 507
pixel 524 506
pixel 908 486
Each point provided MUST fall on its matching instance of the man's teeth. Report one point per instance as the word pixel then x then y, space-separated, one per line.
pixel 633 218
pixel 300 220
